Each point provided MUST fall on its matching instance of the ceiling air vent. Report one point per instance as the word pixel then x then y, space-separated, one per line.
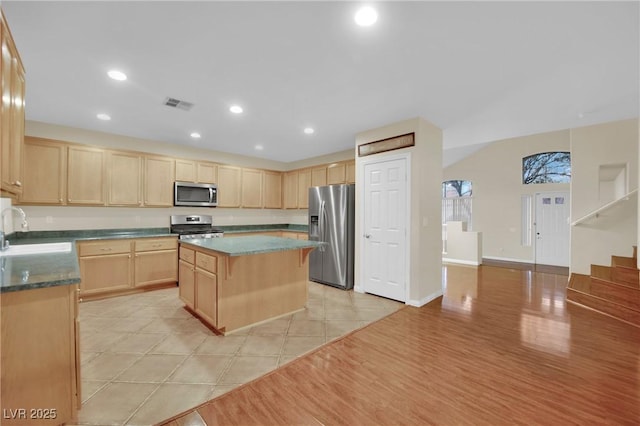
pixel 177 103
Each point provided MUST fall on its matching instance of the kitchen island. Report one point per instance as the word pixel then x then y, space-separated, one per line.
pixel 233 283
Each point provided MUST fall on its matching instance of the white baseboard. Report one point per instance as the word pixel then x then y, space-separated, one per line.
pixel 507 259
pixel 424 300
pixel 460 261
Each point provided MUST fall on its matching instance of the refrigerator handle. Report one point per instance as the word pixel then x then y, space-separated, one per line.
pixel 325 232
pixel 322 225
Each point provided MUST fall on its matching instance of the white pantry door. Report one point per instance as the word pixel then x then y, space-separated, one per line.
pixel 385 229
pixel 552 228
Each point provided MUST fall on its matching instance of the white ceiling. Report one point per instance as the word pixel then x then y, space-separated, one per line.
pixel 480 71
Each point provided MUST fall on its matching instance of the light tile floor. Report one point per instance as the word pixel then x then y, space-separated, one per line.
pixel 145 359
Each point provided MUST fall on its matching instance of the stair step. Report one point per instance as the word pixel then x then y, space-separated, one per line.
pixel 620 294
pixel 604 272
pixel 624 262
pixel 625 271
pixel 606 307
pixel 580 282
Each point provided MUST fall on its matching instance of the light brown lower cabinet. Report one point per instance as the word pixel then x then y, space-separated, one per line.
pixel 206 301
pixel 294 235
pixel 187 290
pixel 155 261
pixel 199 284
pixel 113 267
pixel 105 266
pixel 40 363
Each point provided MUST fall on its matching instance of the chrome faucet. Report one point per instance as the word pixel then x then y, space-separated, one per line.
pixel 25 225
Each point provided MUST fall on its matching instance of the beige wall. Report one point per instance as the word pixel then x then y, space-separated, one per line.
pixel 425 258
pixel 110 140
pixel 496 175
pixel 55 218
pixel 614 232
pixel 325 159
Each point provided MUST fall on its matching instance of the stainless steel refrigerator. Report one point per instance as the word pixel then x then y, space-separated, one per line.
pixel 332 220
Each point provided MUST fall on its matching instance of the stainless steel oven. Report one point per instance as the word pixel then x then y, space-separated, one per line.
pixel 194 226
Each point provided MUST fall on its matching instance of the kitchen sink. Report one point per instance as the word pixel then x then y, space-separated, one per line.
pixel 28 249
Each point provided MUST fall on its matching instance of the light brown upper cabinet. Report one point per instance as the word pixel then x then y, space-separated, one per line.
pixel 319 176
pixel 252 188
pixel 304 182
pixel 336 173
pixel 185 170
pixel 86 176
pixel 206 172
pixel 272 190
pixel 159 175
pixel 343 172
pixel 350 171
pixel 11 113
pixel 45 176
pixel 290 190
pixel 124 171
pixel 229 186
pixel 196 171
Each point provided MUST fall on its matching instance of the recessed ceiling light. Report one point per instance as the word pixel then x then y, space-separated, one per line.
pixel 366 16
pixel 236 109
pixel 308 131
pixel 103 117
pixel 117 75
pixel 196 135
pixel 258 147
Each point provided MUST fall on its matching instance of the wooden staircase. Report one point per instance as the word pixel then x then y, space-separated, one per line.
pixel 611 290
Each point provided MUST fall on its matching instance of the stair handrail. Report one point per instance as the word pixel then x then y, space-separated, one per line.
pixel 607 206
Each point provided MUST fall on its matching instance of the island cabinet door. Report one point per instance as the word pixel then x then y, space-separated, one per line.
pixel 187 289
pixel 207 296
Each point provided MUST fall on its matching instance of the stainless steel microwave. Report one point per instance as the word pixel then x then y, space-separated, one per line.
pixel 195 194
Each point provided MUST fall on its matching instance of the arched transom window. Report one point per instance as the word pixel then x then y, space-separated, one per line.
pixel 547 167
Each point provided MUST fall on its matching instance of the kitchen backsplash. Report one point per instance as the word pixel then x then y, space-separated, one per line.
pixel 44 218
pixel 7 226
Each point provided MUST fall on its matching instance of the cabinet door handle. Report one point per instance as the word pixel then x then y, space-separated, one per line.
pixel 17 183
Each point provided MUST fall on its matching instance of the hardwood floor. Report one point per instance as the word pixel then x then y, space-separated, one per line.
pixel 501 347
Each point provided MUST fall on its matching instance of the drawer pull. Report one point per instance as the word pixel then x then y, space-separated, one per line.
pixel 106 249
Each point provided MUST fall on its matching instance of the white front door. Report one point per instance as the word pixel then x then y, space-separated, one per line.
pixel 385 229
pixel 552 228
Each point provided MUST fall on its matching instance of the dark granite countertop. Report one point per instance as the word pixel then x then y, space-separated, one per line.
pixel 236 229
pixel 33 271
pixel 87 234
pixel 253 244
pixel 26 272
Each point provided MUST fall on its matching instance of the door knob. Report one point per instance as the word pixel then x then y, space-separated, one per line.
pixel 367 235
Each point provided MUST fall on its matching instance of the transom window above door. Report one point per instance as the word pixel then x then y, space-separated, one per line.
pixel 547 167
